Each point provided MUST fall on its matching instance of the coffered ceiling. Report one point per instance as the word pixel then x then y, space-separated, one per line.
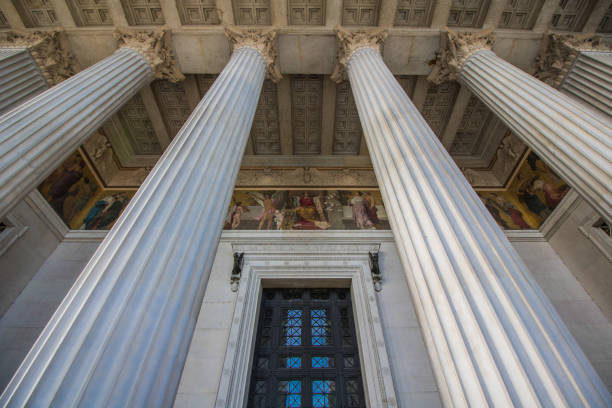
pixel 306 130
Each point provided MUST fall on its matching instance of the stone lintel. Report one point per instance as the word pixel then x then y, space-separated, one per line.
pixel 349 42
pixel 48 50
pixel 559 51
pixel 263 41
pixel 156 47
pixel 455 49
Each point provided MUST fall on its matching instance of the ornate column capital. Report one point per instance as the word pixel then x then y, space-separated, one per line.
pixel 156 47
pixel 263 41
pixel 349 42
pixel 54 60
pixel 558 53
pixel 455 49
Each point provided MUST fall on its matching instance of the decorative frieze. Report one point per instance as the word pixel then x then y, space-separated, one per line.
pixel 156 47
pixel 306 96
pixel 36 13
pixel 265 130
pixel 467 13
pixel 194 12
pixel 90 12
pixel 54 60
pixel 438 104
pixel 172 103
pixel 414 13
pixel 305 177
pixel 347 129
pixel 520 14
pixel 349 42
pixel 455 49
pixel 143 12
pixel 360 12
pixel 252 12
pixel 263 41
pixel 560 52
pixel 571 15
pixel 306 12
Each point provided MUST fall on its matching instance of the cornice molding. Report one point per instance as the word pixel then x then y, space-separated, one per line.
pixel 156 47
pixel 349 43
pixel 455 49
pixel 47 48
pixel 263 41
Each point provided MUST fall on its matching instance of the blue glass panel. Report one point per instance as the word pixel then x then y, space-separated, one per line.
pixel 320 362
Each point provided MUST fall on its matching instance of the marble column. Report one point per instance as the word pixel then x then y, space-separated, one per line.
pixel 38 135
pixel 493 337
pixel 574 140
pixel 579 66
pixel 121 335
pixel 20 78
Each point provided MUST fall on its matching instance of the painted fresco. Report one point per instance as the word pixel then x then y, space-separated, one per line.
pixel 73 193
pixel 533 194
pixel 306 210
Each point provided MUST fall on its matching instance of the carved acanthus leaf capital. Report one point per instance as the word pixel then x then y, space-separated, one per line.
pixel 47 48
pixel 263 41
pixel 156 47
pixel 349 42
pixel 455 49
pixel 558 53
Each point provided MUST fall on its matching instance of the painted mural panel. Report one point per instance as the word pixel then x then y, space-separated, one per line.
pixel 75 196
pixel 531 197
pixel 306 210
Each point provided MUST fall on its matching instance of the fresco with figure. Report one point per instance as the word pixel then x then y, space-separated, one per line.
pixel 306 210
pixel 73 192
pixel 532 195
pixel 75 196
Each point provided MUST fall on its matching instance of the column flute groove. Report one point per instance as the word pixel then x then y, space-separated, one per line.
pixel 121 335
pixel 38 135
pixel 495 339
pixel 571 138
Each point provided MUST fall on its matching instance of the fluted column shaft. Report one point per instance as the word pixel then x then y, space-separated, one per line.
pixel 494 338
pixel 20 77
pixel 38 135
pixel 576 142
pixel 121 335
pixel 590 80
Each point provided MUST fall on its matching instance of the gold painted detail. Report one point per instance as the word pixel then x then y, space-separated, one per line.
pixel 48 50
pixel 263 41
pixel 156 47
pixel 455 49
pixel 349 42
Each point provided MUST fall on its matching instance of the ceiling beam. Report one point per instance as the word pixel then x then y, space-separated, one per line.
pixel 328 116
pixel 283 89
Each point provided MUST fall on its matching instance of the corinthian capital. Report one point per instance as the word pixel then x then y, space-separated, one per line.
pixel 558 53
pixel 455 49
pixel 53 58
pixel 263 41
pixel 156 47
pixel 349 42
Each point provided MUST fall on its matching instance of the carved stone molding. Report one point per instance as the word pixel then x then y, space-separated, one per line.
pixel 349 42
pixel 306 177
pixel 263 41
pixel 53 58
pixel 156 47
pixel 558 53
pixel 455 49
